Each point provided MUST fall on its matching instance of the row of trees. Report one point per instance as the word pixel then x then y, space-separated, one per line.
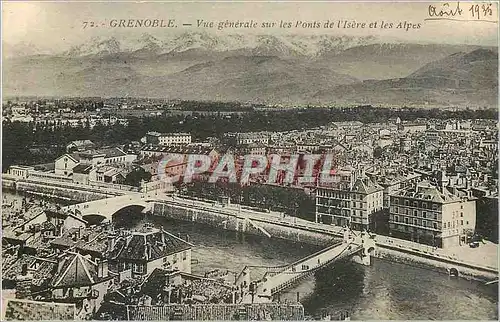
pixel 18 138
pixel 291 201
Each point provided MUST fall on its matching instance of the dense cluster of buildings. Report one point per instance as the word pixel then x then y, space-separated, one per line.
pixel 416 180
pixel 57 262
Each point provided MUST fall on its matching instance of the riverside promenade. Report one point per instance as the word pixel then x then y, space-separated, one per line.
pixel 484 258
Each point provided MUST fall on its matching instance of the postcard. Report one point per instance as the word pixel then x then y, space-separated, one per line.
pixel 253 160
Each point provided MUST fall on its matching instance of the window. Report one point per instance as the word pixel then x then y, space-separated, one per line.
pixel 424 214
pixel 461 214
pixel 138 268
pixel 467 222
pixel 424 223
pixel 415 213
pixel 435 217
pixel 461 222
pixel 396 218
pixel 415 222
pixel 407 202
pixel 415 204
pixel 424 205
pixel 406 220
pixel 435 225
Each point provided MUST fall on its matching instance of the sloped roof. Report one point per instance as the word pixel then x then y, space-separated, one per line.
pixel 134 246
pixel 73 156
pixel 82 168
pixel 16 309
pixel 91 240
pixel 428 192
pixel 366 186
pixel 81 143
pixel 178 149
pixel 76 270
pixel 42 269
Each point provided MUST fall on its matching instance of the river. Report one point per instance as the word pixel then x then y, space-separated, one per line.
pixel 384 290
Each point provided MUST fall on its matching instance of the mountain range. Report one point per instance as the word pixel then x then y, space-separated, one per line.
pixel 259 68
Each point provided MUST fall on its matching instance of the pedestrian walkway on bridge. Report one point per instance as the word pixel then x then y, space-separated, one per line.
pixel 278 279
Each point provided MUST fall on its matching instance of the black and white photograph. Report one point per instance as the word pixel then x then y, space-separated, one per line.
pixel 249 160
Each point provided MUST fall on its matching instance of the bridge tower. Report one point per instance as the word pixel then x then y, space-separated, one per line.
pixel 368 243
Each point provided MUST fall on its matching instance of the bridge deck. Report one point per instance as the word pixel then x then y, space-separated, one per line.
pixel 275 282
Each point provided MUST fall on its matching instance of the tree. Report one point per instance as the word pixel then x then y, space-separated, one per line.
pixel 136 176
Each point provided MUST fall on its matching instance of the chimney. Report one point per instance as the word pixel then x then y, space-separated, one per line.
pixel 162 238
pixel 102 268
pixel 23 283
pixel 148 250
pixel 111 243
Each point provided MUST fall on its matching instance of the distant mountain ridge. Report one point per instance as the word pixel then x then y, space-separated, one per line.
pixel 254 44
pixel 261 68
pixel 461 79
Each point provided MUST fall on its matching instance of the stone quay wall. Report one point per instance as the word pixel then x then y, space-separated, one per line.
pixel 217 312
pixel 237 222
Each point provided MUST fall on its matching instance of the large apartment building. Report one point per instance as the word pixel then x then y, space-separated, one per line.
pixel 350 201
pixel 168 138
pixel 432 215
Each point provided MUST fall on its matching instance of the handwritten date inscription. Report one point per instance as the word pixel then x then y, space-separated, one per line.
pixel 454 11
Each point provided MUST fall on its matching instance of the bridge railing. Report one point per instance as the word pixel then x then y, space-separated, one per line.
pixel 304 273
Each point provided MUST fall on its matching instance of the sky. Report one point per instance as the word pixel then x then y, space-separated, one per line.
pixel 59 25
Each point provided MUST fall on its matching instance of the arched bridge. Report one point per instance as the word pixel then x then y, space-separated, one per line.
pixel 104 209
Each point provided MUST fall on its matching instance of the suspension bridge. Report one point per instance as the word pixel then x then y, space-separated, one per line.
pixel 279 278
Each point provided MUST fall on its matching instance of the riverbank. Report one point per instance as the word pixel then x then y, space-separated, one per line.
pixel 276 225
pixel 66 191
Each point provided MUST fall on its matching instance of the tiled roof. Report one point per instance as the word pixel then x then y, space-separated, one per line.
pixel 81 143
pixel 111 152
pixel 92 240
pixel 76 270
pixel 16 309
pixel 42 269
pixel 178 149
pixel 75 157
pixel 168 134
pixel 107 152
pixel 366 186
pixel 426 191
pixel 134 246
pixel 82 168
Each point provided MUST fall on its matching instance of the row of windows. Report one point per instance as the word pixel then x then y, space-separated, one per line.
pixel 454 224
pixel 117 159
pixel 333 203
pixel 415 213
pixel 417 222
pixel 335 212
pixel 176 140
pixel 334 194
pixel 416 204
